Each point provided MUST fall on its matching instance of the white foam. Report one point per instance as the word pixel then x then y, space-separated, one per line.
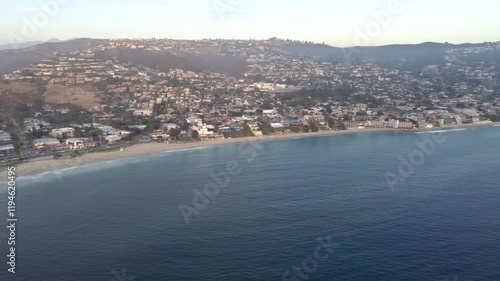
pixel 96 166
pixel 431 132
pixel 441 131
pixel 185 149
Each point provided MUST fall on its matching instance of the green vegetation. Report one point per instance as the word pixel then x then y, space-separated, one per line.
pixel 15 163
pixel 314 127
pixel 268 130
pixel 174 133
pixel 134 142
pixel 494 118
pixel 296 129
pixel 186 139
pixel 18 118
pixel 152 124
pixel 78 133
pixel 93 132
pixel 106 149
pixel 75 154
pixel 247 132
pixel 331 123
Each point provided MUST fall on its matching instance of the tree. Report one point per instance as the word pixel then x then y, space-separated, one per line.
pixel 295 129
pixel 268 130
pixel 128 115
pixel 38 103
pixel 41 90
pixel 314 127
pixel 331 123
pixel 185 126
pixel 174 133
pixel 329 110
pixel 195 135
pixel 427 102
pixel 153 124
pixel 78 133
pixel 95 133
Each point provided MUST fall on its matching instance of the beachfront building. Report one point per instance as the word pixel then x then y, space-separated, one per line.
pixel 47 143
pixel 277 125
pixel 320 118
pixel 405 125
pixel 351 125
pixel 7 149
pixel 113 138
pixel 74 143
pixel 393 124
pixel 5 138
pixel 7 152
pixel 376 124
pixel 207 130
pixel 159 135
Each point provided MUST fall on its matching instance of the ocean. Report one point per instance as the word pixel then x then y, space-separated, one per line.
pixel 371 206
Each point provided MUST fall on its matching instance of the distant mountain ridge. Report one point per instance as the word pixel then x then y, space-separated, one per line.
pixel 400 56
pixel 15 59
pixel 21 45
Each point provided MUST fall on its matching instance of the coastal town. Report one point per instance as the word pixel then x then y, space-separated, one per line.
pixel 98 100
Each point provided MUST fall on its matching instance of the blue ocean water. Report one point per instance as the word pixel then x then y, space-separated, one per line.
pixel 276 203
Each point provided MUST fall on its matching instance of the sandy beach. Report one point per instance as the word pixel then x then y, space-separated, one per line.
pixel 46 164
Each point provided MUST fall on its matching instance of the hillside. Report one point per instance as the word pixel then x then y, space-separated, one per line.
pixel 164 61
pixel 17 93
pixel 406 57
pixel 11 60
pixel 82 96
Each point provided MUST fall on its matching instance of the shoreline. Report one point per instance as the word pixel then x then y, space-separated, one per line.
pixel 47 164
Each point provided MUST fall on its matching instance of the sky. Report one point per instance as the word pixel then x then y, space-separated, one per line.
pixel 334 22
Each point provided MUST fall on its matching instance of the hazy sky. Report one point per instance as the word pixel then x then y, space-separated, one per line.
pixel 338 23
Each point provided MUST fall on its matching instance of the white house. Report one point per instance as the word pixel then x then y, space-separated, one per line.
pixel 74 143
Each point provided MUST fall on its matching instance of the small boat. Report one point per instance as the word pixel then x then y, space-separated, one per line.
pixel 121 148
